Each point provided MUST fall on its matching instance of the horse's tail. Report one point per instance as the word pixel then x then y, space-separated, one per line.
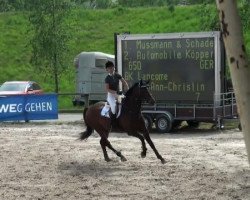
pixel 84 114
pixel 84 135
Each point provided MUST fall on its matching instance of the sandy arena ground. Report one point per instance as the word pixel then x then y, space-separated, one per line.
pixel 46 161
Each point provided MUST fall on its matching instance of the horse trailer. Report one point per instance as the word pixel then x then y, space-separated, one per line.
pixel 187 73
pixel 90 74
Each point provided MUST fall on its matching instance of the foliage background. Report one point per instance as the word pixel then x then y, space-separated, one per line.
pixel 93 30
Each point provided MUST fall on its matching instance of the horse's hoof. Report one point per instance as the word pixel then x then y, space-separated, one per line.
pixel 143 155
pixel 123 159
pixel 107 159
pixel 163 161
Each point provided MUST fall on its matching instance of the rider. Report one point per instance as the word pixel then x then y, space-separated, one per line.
pixel 112 87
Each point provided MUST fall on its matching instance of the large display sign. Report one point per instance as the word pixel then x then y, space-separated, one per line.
pixel 28 107
pixel 182 67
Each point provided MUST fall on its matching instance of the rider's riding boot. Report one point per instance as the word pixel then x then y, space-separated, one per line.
pixel 113 119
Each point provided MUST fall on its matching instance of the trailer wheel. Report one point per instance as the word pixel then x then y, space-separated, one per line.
pixel 163 123
pixel 148 121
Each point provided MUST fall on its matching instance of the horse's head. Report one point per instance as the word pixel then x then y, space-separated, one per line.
pixel 139 92
pixel 144 94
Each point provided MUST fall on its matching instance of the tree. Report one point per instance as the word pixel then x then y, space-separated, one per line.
pixel 5 6
pixel 12 5
pixel 51 34
pixel 208 15
pixel 238 63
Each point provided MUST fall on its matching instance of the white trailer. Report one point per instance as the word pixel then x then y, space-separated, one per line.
pixel 90 74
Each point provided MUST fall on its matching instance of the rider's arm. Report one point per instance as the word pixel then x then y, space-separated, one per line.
pixel 124 83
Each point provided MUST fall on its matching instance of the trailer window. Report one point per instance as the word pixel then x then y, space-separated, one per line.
pixel 100 63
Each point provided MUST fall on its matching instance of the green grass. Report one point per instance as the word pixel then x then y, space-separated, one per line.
pixel 92 30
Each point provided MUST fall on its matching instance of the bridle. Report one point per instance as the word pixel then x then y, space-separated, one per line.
pixel 141 86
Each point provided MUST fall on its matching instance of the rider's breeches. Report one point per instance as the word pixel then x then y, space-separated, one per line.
pixel 111 98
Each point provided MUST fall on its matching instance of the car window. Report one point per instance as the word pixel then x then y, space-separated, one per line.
pixel 29 87
pixel 35 86
pixel 12 87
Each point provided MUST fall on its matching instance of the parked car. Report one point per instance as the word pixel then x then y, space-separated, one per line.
pixel 20 87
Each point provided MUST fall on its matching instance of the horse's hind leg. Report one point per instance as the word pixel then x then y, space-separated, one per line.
pixel 144 149
pixel 118 153
pixel 104 142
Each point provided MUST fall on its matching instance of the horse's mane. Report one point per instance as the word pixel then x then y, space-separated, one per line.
pixel 131 89
pixel 129 92
pixel 128 95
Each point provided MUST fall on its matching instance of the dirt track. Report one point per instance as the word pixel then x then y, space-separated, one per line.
pixel 46 161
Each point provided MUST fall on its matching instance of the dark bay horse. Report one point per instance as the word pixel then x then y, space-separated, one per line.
pixel 130 120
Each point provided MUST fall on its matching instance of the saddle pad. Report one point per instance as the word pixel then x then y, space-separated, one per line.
pixel 105 110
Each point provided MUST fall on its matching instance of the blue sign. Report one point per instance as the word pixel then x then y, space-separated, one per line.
pixel 28 107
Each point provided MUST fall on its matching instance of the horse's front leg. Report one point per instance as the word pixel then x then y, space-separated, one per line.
pixel 151 144
pixel 140 137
